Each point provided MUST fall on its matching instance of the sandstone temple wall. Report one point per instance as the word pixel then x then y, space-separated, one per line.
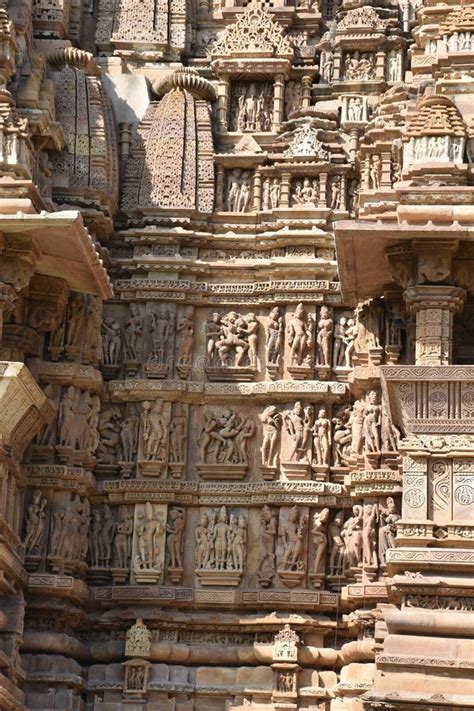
pixel 236 355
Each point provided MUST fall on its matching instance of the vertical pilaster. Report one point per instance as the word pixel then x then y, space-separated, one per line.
pixel 223 91
pixel 278 101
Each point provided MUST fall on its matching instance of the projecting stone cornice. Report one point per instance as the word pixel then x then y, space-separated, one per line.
pixel 65 248
pixel 264 292
pixel 361 245
pixel 141 389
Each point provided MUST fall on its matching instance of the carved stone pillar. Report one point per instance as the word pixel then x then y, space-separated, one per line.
pixel 125 139
pixel 434 307
pixel 343 197
pixel 323 178
pixel 366 173
pixel 306 84
pixel 285 190
pixel 353 142
pixel 337 67
pixel 223 89
pixel 278 101
pixel 219 188
pixel 257 191
pixel 380 65
pixel 386 177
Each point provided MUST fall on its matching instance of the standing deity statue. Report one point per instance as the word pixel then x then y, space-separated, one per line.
pixel 340 330
pixel 154 428
pixel 375 172
pixel 268 534
pixel 372 422
pixel 184 337
pixel 272 423
pixel 178 430
pixel 300 336
pixel 275 191
pixel 274 336
pixel 337 545
pixel 175 541
pixel 94 534
pixel 129 436
pixel 35 516
pixel 161 330
pixel 390 435
pixel 292 534
pixel 352 533
pixel 342 437
pixel 201 537
pixel 322 438
pixel 76 316
pixel 106 536
pixel 356 423
pixel 324 336
pixel 320 539
pixel 133 332
pixel 149 528
pixel 122 548
pixel 298 423
pixel 111 341
pixel 388 517
pixel 369 537
pixel 67 418
pixel 57 540
pixel 220 535
pixel 349 340
pixel 92 336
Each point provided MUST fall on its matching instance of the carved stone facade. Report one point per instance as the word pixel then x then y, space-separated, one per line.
pixel 237 355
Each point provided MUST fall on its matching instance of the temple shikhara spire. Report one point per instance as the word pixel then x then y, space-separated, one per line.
pixel 236 355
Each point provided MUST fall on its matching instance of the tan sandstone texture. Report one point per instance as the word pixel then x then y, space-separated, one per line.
pixel 236 355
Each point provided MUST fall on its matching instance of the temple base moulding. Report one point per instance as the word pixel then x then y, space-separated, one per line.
pixel 228 578
pixel 234 472
pixel 291 578
pixel 232 374
pixel 296 470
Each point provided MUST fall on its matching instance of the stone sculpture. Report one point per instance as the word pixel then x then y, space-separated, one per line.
pixel 275 328
pixel 300 337
pixel 35 523
pixel 221 547
pixel 236 346
pixel 268 537
pixel 292 532
pixel 272 423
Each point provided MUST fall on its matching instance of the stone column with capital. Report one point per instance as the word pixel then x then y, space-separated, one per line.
pixel 434 307
pixel 278 101
pixel 223 89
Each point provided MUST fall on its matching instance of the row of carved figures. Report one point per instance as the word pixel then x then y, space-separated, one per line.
pixel 303 190
pixel 232 338
pixel 78 334
pixel 77 533
pixel 361 66
pixel 157 432
pixel 340 543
